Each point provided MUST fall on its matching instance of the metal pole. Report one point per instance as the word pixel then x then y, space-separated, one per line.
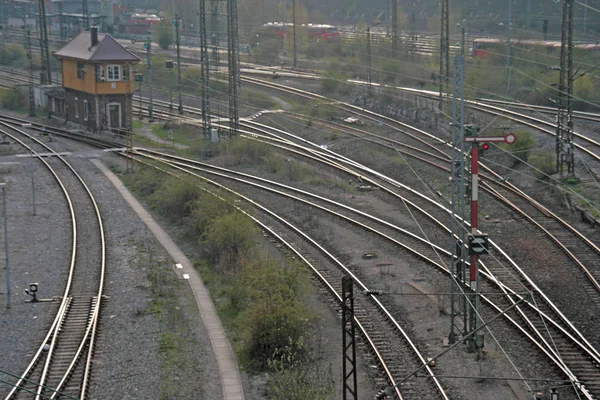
pixel 178 64
pixel 394 28
pixel 31 91
pixel 369 70
pixel 508 45
pixel 476 342
pixel 284 23
pixel 173 11
pixel 529 16
pixel 294 33
pixel 149 55
pixel 6 245
pixel 32 176
pixel 584 19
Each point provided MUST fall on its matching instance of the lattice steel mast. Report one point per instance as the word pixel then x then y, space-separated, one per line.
pixel 86 15
pixel 233 65
pixel 395 28
pixel 46 75
pixel 565 158
pixel 29 60
pixel 348 340
pixel 457 266
pixel 204 69
pixel 444 51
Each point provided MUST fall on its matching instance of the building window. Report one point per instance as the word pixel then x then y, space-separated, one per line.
pixel 86 110
pixel 114 72
pixel 80 70
pixel 100 73
pixel 76 107
pixel 126 72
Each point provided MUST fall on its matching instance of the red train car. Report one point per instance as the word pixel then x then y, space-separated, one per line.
pixel 140 24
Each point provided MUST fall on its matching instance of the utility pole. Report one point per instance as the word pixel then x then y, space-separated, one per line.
pixel 148 46
pixel 395 28
pixel 129 115
pixel 508 46
pixel 457 265
pixel 86 15
pixel 284 24
pixel 177 22
pixel 584 18
pixel 565 159
pixel 388 20
pixel 29 59
pixel 46 75
pixel 369 69
pixel 204 71
pixel 528 26
pixel 348 340
pixel 444 52
pixel 215 32
pixel 233 66
pixel 169 64
pixel 295 65
pixel 61 22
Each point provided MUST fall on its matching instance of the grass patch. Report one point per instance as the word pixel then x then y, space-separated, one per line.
pixel 178 347
pixel 262 300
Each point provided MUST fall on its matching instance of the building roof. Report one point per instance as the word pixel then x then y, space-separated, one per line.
pixel 107 49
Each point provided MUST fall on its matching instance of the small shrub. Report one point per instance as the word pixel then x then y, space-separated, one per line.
pixel 164 34
pixel 522 147
pixel 544 163
pixel 174 197
pixel 276 316
pixel 13 99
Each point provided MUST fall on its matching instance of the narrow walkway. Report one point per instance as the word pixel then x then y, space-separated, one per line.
pixel 228 368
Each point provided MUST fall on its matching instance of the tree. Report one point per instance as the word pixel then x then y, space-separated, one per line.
pixel 164 34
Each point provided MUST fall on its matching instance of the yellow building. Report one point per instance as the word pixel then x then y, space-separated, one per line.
pixel 95 71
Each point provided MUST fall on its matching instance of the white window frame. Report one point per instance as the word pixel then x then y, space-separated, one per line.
pixel 110 72
pixel 86 111
pixel 77 107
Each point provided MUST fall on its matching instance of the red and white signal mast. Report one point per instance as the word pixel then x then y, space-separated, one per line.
pixel 478 243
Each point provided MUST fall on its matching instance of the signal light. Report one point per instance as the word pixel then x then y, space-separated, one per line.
pixel 483 147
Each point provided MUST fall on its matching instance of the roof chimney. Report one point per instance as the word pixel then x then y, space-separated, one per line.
pixel 94 35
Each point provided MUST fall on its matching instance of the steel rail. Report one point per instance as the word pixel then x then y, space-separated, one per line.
pixel 89 335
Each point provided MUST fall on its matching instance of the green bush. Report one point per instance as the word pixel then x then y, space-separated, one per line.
pixel 228 238
pixel 13 98
pixel 275 314
pixel 522 147
pixel 175 196
pixel 13 54
pixel 544 162
pixel 163 34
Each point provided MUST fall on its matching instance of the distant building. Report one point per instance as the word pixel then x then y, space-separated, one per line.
pixel 95 70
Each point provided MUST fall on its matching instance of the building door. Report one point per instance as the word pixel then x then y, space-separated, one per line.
pixel 114 116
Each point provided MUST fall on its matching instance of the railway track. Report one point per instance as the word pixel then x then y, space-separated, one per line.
pixel 547 335
pixel 61 366
pixel 562 350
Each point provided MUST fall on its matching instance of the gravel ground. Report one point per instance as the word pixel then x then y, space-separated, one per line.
pixel 127 362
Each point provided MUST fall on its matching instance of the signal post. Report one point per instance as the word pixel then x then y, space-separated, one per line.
pixel 478 243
